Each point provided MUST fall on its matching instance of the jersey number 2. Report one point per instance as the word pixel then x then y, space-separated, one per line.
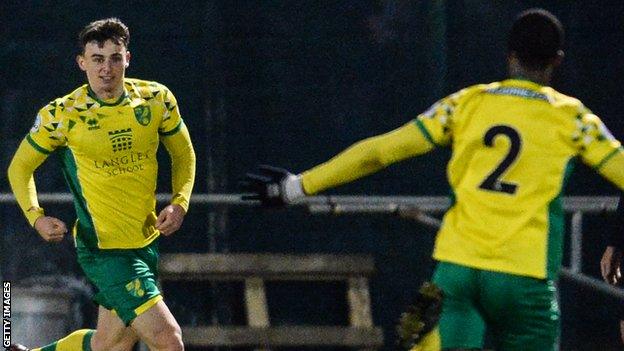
pixel 493 181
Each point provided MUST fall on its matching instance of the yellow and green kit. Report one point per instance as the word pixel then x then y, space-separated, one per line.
pixel 108 154
pixel 513 145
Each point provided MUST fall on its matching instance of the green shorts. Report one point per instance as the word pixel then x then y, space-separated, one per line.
pixel 126 279
pixel 520 313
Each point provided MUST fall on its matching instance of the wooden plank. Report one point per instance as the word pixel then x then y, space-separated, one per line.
pixel 257 309
pixel 284 336
pixel 255 299
pixel 267 266
pixel 359 303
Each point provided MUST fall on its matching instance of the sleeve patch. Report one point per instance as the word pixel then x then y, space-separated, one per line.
pixel 37 124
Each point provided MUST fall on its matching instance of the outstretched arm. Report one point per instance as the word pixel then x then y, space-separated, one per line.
pixel 366 157
pixel 276 186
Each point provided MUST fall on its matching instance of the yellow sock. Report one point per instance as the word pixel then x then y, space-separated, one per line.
pixel 80 340
pixel 431 342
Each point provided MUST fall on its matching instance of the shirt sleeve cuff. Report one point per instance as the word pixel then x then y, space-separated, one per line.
pixel 178 199
pixel 33 215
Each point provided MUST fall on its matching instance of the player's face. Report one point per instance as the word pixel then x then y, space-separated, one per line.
pixel 105 67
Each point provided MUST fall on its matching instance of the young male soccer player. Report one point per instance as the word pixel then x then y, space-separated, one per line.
pixel 107 133
pixel 611 262
pixel 513 143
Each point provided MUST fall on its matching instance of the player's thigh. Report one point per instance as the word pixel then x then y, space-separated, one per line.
pixel 522 312
pixel 461 324
pixel 112 333
pixel 158 328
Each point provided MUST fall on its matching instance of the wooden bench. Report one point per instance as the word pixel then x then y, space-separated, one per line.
pixel 254 270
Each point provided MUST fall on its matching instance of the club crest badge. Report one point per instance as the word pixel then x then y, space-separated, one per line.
pixel 143 114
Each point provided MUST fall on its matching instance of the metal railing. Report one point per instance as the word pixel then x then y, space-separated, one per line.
pixel 420 208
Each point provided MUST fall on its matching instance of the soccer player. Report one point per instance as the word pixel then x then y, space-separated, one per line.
pixel 611 262
pixel 107 133
pixel 513 144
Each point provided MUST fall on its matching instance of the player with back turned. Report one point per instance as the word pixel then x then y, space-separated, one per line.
pixel 107 133
pixel 513 143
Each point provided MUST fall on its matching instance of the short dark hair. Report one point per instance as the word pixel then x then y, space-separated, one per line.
pixel 103 30
pixel 536 37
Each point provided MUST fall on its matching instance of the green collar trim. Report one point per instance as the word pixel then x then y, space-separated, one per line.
pixel 94 96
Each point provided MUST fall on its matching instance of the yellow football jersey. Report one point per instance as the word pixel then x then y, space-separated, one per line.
pixel 513 145
pixel 108 151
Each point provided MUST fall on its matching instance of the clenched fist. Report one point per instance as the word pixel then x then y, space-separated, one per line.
pixel 51 229
pixel 170 219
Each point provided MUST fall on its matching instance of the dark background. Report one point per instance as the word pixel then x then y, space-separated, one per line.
pixel 292 83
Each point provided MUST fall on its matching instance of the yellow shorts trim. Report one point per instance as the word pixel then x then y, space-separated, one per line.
pixel 146 306
pixel 431 342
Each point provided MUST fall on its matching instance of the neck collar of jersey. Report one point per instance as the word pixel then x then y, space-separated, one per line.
pixel 524 82
pixel 94 96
